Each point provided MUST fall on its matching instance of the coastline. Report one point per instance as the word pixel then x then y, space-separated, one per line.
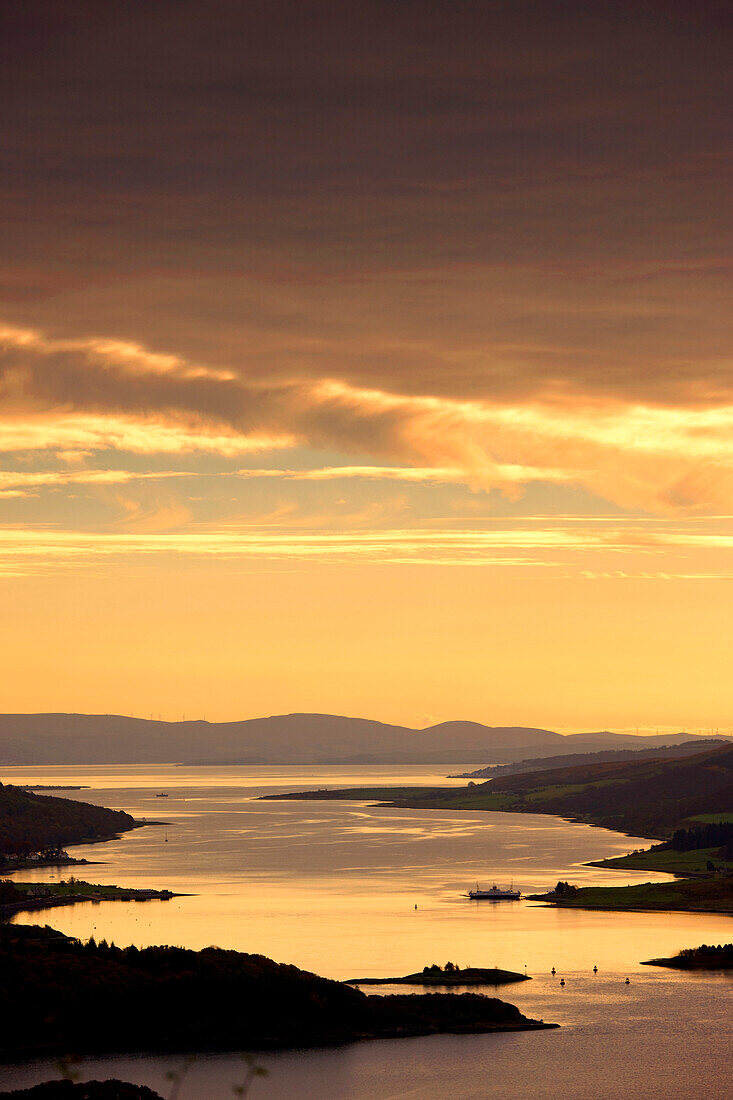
pixel 53 895
pixel 704 892
pixel 105 999
pixel 470 976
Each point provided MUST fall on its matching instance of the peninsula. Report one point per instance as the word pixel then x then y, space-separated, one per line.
pixel 685 801
pixel 713 894
pixel 705 957
pixel 644 798
pixel 29 897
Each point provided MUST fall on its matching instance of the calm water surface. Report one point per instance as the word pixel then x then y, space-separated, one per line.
pixel 333 887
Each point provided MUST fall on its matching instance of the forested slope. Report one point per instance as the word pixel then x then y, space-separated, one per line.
pixel 57 994
pixel 32 823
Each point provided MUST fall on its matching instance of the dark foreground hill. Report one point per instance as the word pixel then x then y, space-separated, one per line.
pixel 33 823
pixel 285 739
pixel 60 995
pixel 91 1090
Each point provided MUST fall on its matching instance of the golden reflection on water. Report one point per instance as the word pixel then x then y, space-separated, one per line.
pixel 334 886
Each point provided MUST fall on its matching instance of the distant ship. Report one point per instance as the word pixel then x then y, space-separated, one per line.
pixel 161 795
pixel 494 893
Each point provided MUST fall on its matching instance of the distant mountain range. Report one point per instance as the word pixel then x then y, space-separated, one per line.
pixel 309 739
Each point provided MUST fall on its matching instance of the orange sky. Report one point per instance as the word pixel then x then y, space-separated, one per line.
pixel 366 363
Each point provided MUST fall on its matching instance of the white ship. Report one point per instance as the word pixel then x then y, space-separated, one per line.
pixel 494 893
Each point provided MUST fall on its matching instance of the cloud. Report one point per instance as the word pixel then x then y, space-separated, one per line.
pixel 82 393
pixel 151 520
pixel 21 484
pixel 437 475
pixel 488 201
pixel 612 549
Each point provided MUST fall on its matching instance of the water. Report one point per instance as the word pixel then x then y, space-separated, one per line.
pixel 665 1037
pixel 333 886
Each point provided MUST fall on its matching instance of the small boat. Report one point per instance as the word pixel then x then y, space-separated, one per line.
pixel 494 893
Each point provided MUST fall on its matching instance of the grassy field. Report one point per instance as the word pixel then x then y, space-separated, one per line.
pixel 713 819
pixel 713 895
pixel 674 863
pixel 651 797
pixel 472 797
pixel 77 889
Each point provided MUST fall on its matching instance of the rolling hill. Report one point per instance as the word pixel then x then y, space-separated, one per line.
pixel 28 739
pixel 31 822
pixel 647 797
pixel 574 760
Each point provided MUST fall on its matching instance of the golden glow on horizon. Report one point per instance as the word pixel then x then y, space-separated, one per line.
pixel 416 400
pixel 144 561
pixel 246 637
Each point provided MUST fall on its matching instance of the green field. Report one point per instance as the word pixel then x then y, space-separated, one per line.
pixel 74 888
pixel 650 797
pixel 674 863
pixel 712 895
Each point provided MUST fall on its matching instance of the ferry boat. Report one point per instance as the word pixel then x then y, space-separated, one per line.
pixel 494 893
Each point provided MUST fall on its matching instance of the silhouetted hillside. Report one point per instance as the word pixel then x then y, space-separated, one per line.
pixel 645 797
pixel 57 994
pixel 32 822
pixel 284 739
pixel 706 957
pixel 631 795
pixel 574 760
pixel 90 1090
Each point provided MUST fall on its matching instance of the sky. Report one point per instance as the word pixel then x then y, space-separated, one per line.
pixel 370 359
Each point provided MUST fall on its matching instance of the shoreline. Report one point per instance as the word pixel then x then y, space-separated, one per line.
pixel 63 894
pixel 671 895
pixel 376 797
pixel 472 975
pixel 12 864
pixel 264 1046
pixel 106 999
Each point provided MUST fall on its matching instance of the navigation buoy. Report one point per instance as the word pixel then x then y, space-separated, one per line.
pixel 595 969
pixel 562 981
pixel 553 971
pixel 627 982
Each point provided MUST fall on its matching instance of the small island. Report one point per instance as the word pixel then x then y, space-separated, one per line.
pixel 705 957
pixel 450 974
